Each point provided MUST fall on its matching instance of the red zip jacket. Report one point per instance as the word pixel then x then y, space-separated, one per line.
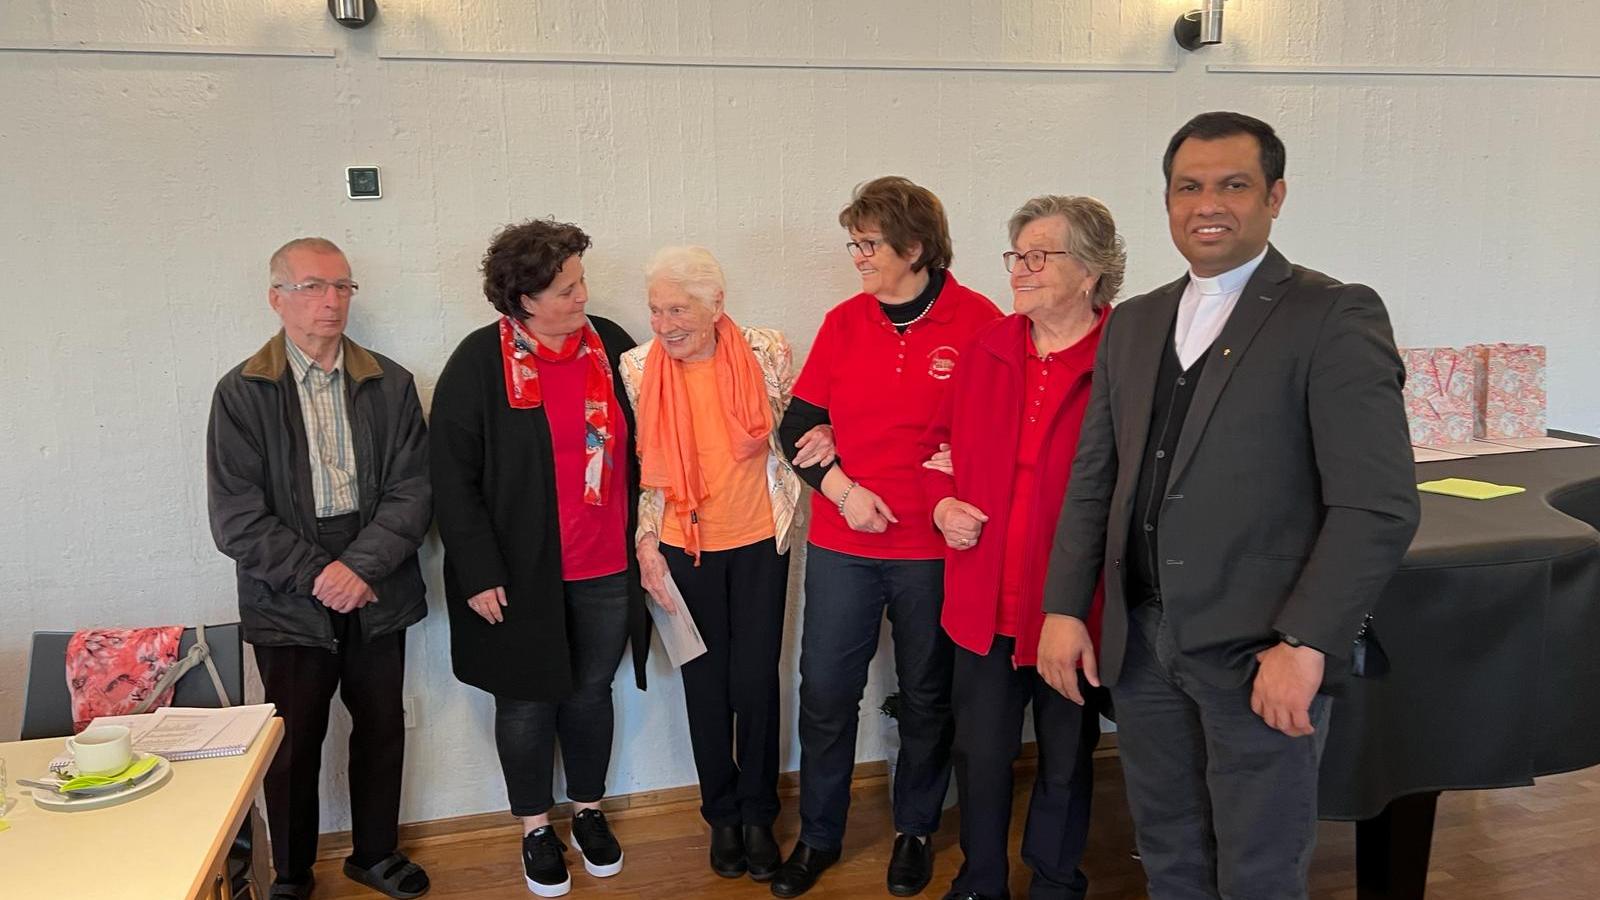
pixel 981 419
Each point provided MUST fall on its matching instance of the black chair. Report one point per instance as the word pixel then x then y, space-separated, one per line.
pixel 47 708
pixel 47 705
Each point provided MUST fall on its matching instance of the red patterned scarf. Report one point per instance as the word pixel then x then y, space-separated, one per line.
pixel 111 670
pixel 521 352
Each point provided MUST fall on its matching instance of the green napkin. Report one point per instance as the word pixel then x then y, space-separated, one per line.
pixel 140 767
pixel 1471 490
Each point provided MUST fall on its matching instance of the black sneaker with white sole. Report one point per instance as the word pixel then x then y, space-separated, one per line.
pixel 544 866
pixel 602 855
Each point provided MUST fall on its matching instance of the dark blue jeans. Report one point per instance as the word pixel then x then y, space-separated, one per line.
pixel 846 597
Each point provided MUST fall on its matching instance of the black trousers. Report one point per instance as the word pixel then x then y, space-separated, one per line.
pixel 737 599
pixel 525 731
pixel 300 682
pixel 988 697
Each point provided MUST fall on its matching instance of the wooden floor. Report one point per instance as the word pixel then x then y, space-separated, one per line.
pixel 1535 843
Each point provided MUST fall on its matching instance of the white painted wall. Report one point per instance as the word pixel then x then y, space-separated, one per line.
pixel 141 194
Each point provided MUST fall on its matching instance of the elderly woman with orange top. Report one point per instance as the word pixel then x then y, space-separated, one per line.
pixel 715 513
pixel 1010 425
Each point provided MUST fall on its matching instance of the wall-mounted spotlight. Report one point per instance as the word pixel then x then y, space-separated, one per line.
pixel 352 13
pixel 1199 27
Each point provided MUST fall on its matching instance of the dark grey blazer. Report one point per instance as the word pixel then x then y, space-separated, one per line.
pixel 1292 497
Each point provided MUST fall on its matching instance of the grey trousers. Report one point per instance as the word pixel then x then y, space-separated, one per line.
pixel 1223 805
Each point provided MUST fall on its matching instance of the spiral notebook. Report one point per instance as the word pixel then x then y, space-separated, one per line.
pixel 180 732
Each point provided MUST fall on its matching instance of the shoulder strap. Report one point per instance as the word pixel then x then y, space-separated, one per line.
pixel 199 653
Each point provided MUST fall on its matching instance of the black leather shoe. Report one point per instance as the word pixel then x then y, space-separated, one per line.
pixel 727 851
pixel 800 872
pixel 911 865
pixel 964 895
pixel 761 852
pixel 292 890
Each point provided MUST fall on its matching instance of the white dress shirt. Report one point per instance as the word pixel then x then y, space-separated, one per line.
pixel 1205 307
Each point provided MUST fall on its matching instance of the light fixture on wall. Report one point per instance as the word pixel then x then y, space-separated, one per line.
pixel 1199 27
pixel 352 13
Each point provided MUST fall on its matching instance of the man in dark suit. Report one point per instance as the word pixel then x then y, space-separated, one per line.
pixel 1244 481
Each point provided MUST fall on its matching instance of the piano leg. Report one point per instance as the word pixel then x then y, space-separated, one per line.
pixel 1392 849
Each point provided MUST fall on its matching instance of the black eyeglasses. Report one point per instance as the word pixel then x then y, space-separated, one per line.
pixel 1033 259
pixel 859 249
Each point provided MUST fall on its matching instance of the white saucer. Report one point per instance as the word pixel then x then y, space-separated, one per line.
pixel 45 800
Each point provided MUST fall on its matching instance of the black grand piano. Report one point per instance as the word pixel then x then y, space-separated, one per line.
pixel 1492 627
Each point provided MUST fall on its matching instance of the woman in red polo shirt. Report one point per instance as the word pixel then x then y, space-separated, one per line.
pixel 878 371
pixel 1011 424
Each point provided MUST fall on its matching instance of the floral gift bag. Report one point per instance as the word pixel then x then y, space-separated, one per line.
pixel 1439 394
pixel 1510 390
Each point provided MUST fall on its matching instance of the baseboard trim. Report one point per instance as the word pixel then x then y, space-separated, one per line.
pixel 455 829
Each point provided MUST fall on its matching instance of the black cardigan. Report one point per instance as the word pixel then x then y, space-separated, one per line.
pixel 494 496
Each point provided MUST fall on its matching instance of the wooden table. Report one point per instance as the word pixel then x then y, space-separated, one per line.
pixel 171 843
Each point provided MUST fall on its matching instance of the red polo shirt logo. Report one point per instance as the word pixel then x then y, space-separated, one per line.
pixel 866 374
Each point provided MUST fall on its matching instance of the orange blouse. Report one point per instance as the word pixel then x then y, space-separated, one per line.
pixel 737 512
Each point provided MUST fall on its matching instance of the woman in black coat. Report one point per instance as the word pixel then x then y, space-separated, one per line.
pixel 536 493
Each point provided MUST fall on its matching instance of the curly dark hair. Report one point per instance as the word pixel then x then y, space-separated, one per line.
pixel 524 258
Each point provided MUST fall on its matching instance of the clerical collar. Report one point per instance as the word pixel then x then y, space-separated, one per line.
pixel 1229 282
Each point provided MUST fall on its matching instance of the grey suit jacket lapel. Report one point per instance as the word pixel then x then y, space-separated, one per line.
pixel 1257 301
pixel 1143 365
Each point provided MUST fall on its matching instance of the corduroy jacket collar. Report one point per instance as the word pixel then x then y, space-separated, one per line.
pixel 270 362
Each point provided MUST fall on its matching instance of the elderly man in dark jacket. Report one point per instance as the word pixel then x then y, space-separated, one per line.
pixel 317 477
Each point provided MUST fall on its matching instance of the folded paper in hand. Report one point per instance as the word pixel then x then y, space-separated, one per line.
pixel 678 633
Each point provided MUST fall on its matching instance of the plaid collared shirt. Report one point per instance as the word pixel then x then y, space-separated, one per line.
pixel 328 437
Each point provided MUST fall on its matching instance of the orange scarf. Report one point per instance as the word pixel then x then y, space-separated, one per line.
pixel 667 455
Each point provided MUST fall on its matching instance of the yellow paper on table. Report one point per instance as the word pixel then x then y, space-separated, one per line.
pixel 1471 490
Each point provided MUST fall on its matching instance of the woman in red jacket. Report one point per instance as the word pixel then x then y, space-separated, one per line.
pixel 1011 424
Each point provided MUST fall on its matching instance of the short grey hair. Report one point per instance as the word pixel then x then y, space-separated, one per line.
pixel 692 268
pixel 278 266
pixel 1092 238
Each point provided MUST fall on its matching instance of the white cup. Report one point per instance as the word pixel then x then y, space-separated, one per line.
pixel 102 750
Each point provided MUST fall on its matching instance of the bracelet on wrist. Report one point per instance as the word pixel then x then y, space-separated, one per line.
pixel 846 496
